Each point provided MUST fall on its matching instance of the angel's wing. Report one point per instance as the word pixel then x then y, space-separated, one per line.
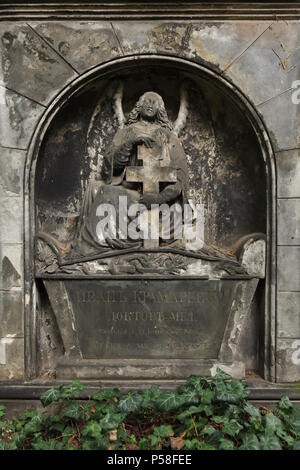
pixel 118 97
pixel 183 109
pixel 103 125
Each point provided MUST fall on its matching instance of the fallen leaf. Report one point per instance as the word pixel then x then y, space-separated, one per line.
pixel 131 446
pixel 176 443
pixel 73 441
pixel 113 435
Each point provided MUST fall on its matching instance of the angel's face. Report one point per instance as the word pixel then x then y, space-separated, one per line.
pixel 150 106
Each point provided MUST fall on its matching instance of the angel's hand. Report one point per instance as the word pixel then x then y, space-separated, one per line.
pixel 120 161
pixel 147 141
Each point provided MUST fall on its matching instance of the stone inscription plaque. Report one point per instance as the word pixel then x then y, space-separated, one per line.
pixel 150 318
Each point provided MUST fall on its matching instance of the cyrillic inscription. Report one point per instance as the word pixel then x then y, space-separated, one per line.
pixel 150 318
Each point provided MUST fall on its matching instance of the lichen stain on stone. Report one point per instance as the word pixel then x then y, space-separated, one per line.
pixel 34 47
pixel 168 37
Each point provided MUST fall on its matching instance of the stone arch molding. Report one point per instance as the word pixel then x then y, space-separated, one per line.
pixel 101 71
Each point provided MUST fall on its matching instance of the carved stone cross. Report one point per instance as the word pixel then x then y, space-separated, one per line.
pixel 150 174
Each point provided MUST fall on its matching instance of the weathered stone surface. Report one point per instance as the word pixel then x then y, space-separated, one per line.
pixel 11 172
pixel 253 257
pixel 19 116
pixel 282 119
pixel 11 220
pixel 270 65
pixel 29 65
pixel 150 319
pixel 151 37
pixel 217 44
pixel 83 45
pixel 10 266
pixel 64 316
pixel 11 359
pixel 288 360
pixel 288 314
pixel 13 408
pixel 221 43
pixel 11 314
pixel 288 219
pixel 288 268
pixel 288 173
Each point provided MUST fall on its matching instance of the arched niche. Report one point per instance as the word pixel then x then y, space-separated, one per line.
pixel 230 163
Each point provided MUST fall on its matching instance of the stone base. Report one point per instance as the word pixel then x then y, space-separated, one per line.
pixel 140 369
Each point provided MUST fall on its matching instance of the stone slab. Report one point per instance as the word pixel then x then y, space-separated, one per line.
pixel 288 220
pixel 288 360
pixel 282 119
pixel 29 65
pixel 11 220
pixel 221 43
pixel 288 314
pixel 11 266
pixel 214 43
pixel 19 116
pixel 151 36
pixel 288 173
pixel 288 268
pixel 11 314
pixel 270 65
pixel 83 45
pixel 150 319
pixel 12 359
pixel 11 171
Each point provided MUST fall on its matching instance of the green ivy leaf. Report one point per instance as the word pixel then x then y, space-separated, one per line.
pixel 221 375
pixel 207 396
pixel 2 408
pixel 208 430
pixel 151 397
pixel 252 411
pixel 143 444
pixel 163 431
pixel 73 389
pixel 272 423
pixel 197 382
pixel 226 444
pixel 112 421
pixel 190 397
pixel 270 442
pixel 92 429
pixel 50 396
pixel 296 445
pixel 192 410
pixel 73 410
pixel 250 442
pixel 170 401
pixel 154 440
pixel 131 403
pixel 45 445
pixel 220 419
pixel 232 428
pixel 195 444
pixel 34 425
pixel 106 394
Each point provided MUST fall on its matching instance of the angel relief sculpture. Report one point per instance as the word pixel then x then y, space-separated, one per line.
pixel 144 173
pixel 136 216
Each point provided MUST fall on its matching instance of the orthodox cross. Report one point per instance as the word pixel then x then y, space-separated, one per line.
pixel 150 174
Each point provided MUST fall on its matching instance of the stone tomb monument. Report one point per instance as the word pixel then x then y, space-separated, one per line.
pixel 121 297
